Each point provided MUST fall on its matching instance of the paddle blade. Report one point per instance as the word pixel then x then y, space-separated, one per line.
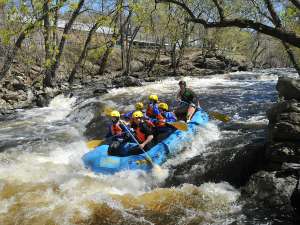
pixel 93 143
pixel 219 116
pixel 179 125
pixel 159 173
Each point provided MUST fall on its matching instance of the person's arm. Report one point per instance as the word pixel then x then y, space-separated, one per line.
pixel 170 117
pixel 149 133
pixel 148 139
pixel 155 109
pixel 128 115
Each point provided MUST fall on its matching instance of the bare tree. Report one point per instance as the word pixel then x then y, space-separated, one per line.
pixel 287 36
pixel 29 27
pixel 277 22
pixel 51 70
pixel 296 3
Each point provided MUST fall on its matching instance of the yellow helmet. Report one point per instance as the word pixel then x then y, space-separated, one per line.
pixel 137 114
pixel 139 106
pixel 153 97
pixel 163 106
pixel 115 113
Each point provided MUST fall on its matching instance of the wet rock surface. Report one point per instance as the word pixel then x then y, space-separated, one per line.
pixel 276 187
pixel 271 191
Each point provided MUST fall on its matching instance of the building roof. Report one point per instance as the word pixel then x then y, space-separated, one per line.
pixel 84 27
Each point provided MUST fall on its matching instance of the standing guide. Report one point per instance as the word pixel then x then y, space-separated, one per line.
pixel 188 102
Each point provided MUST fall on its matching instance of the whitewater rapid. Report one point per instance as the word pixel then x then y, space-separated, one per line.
pixel 43 180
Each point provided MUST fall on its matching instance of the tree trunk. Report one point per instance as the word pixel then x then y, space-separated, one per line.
pixel 173 58
pixel 277 22
pixel 296 3
pixel 156 56
pixel 129 50
pixel 51 72
pixel 292 57
pixel 83 54
pixel 54 36
pixel 104 58
pixel 184 43
pixel 12 54
pixel 289 37
pixel 122 40
pixel 46 31
pixel 110 44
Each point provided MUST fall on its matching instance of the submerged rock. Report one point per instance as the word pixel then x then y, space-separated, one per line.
pixel 235 165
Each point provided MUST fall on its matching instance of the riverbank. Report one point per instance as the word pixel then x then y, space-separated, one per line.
pixel 23 87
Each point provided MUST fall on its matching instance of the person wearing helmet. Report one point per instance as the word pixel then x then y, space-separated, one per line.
pixel 164 130
pixel 116 134
pixel 164 111
pixel 139 106
pixel 188 101
pixel 152 108
pixel 143 132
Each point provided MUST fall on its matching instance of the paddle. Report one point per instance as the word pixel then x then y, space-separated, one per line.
pixel 219 116
pixel 154 166
pixel 216 115
pixel 178 125
pixel 94 143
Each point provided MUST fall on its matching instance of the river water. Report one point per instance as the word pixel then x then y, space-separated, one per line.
pixel 43 181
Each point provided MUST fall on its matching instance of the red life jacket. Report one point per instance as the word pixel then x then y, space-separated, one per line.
pixel 161 121
pixel 149 111
pixel 116 129
pixel 141 137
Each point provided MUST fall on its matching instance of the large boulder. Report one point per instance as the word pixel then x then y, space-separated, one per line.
pixel 14 96
pixel 284 121
pixel 280 152
pixel 126 81
pixel 16 85
pixel 285 131
pixel 271 191
pixel 288 88
pixel 214 63
pixel 290 106
pixel 136 66
pixel 164 61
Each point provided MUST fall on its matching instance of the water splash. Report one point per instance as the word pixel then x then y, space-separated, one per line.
pixel 43 181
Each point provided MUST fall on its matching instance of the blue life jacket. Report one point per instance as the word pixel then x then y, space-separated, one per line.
pixel 169 116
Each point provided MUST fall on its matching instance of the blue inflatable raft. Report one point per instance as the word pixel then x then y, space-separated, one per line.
pixel 99 161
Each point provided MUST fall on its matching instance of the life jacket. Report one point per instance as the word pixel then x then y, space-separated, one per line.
pixel 141 137
pixel 169 117
pixel 116 129
pixel 152 110
pixel 160 121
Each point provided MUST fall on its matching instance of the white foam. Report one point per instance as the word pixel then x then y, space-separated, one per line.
pixel 197 146
pixel 58 109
